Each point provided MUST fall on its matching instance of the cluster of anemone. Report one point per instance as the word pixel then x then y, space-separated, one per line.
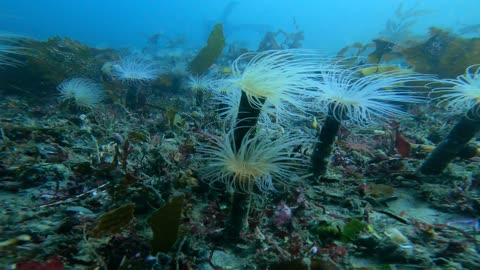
pixel 274 83
pixel 286 84
pixel 85 93
pixel 134 70
pixel 272 88
pixel 250 160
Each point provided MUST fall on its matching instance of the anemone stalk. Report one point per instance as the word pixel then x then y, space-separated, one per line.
pixel 324 146
pixel 344 95
pixel 457 94
pixel 247 119
pixel 455 142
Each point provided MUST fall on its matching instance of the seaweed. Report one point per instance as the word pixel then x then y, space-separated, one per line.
pixel 398 29
pixel 281 40
pixel 326 233
pixel 48 63
pixel 352 229
pixel 357 49
pixel 114 221
pixel 444 54
pixel 379 190
pixel 209 54
pixel 381 47
pixel 165 223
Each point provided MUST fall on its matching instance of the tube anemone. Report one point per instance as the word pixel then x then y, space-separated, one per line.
pixel 86 93
pixel 361 100
pixel 254 164
pixel 271 82
pixel 134 70
pixel 226 102
pixel 198 84
pixel 249 167
pixel 225 99
pixel 461 94
pixel 283 78
pixel 345 96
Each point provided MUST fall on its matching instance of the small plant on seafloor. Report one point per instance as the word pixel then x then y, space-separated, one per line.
pixel 134 70
pixel 86 93
pixel 461 95
pixel 343 95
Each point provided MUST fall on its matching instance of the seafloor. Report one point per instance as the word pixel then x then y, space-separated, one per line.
pixel 100 189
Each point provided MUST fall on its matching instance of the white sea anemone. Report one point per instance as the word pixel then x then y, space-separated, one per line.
pixel 135 70
pixel 361 100
pixel 86 93
pixel 284 78
pixel 259 161
pixel 199 83
pixel 461 94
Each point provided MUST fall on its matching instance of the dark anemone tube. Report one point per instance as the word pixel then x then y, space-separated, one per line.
pixel 324 146
pixel 135 99
pixel 247 119
pixel 455 142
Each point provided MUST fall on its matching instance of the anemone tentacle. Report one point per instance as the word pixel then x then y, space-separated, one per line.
pixel 86 93
pixel 259 161
pixel 461 94
pixel 361 100
pixel 285 78
pixel 135 70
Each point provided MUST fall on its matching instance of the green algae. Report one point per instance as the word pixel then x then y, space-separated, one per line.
pixel 165 223
pixel 444 54
pixel 114 221
pixel 209 54
pixel 382 47
pixel 326 233
pixel 352 229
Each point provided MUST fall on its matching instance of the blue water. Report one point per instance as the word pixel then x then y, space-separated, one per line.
pixel 328 25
